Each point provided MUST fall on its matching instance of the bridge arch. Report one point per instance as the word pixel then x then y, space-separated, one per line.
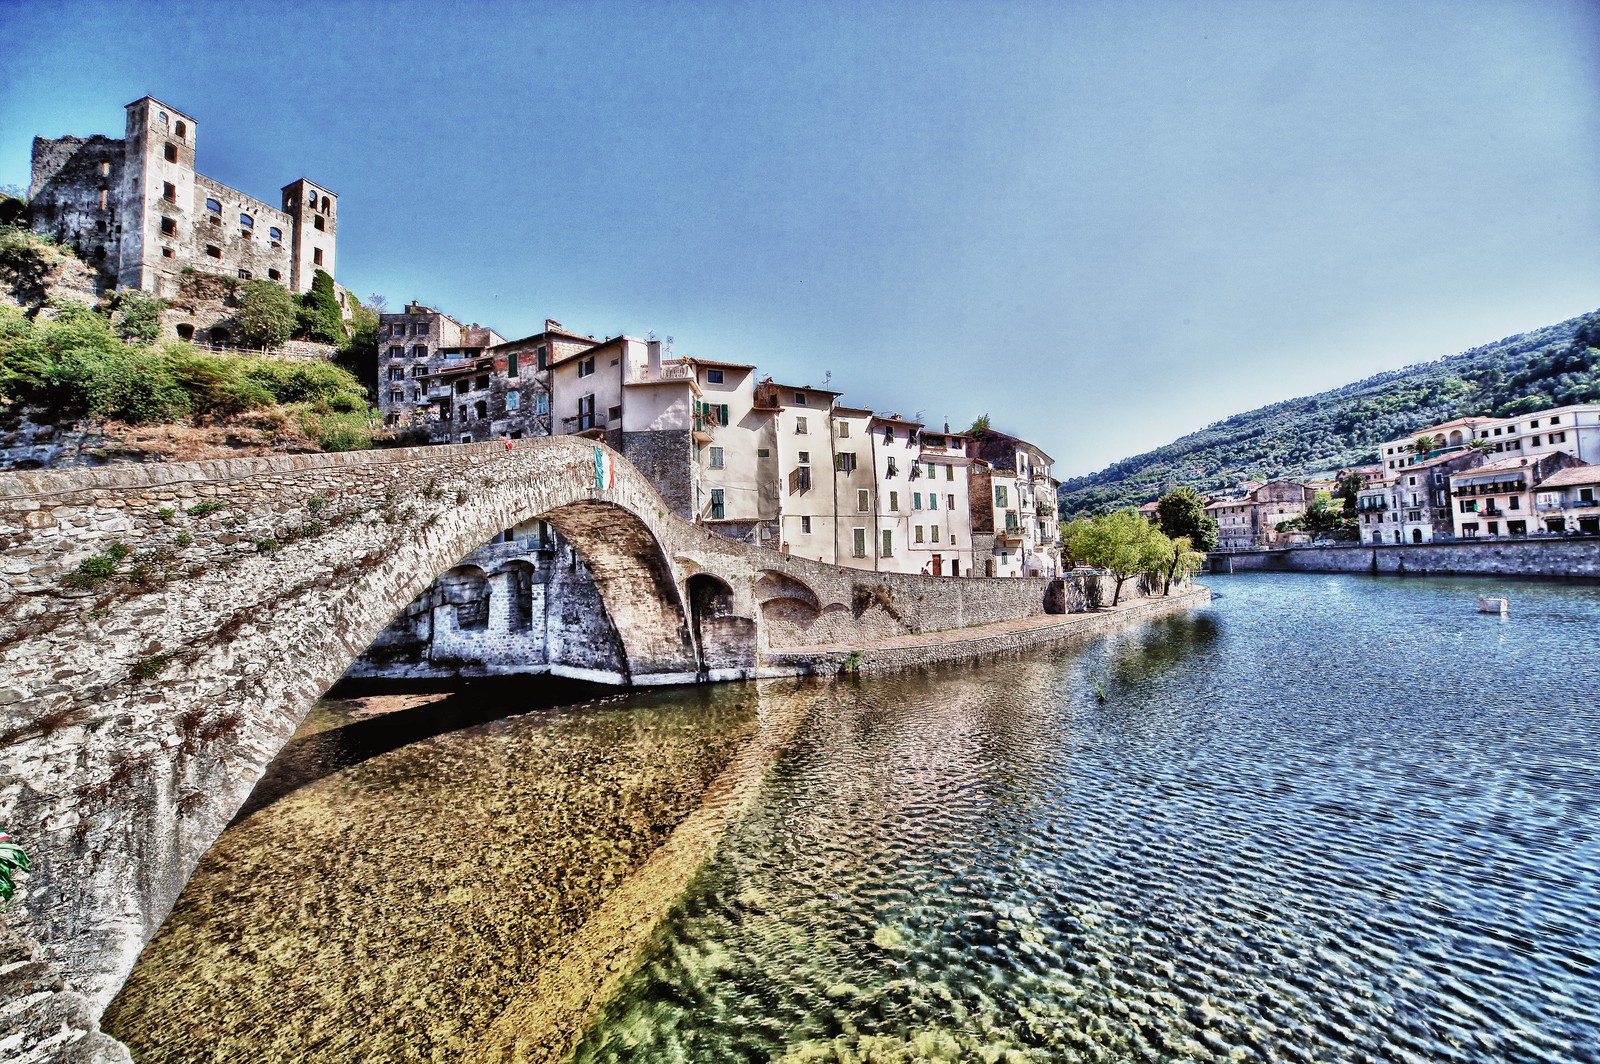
pixel 159 694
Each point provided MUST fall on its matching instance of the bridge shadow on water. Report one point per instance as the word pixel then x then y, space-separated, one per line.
pixel 306 759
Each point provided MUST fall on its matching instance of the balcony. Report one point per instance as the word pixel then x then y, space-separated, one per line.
pixel 704 428
pixel 583 423
pixel 675 372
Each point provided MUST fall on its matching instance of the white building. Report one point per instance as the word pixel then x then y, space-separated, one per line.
pixel 1572 429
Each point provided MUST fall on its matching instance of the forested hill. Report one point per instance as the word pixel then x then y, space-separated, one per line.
pixel 1552 366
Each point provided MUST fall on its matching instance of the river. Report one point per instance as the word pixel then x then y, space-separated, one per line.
pixel 1323 818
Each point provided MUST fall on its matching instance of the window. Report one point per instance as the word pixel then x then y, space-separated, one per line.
pixel 949 472
pixel 214 251
pixel 916 500
pixel 541 355
pixel 888 543
pixel 844 463
pixel 461 387
pixel 916 536
pixel 182 130
pixel 211 205
pixel 933 533
pixel 316 256
pixel 894 501
pixel 275 233
pixel 863 500
pixel 466 437
pixel 805 525
pixel 169 227
pixel 166 253
pixel 313 200
pixel 844 430
pixel 419 351
pixel 513 400
pixel 542 404
pixel 892 470
pixel 950 502
pixel 480 382
pixel 418 371
pixel 713 376
pixel 888 434
pixel 763 452
pixel 244 275
pixel 397 396
pixel 172 153
pixel 805 457
pixel 1516 502
pixel 930 470
pixel 586 367
pixel 858 542
pixel 480 408
pixel 800 426
pixel 1555 421
pixel 511 364
pixel 326 204
pixel 1002 497
pixel 246 221
pixel 718 504
pixel 717 458
pixel 800 480
pixel 799 399
pixel 397 352
pixel 275 275
pixel 317 222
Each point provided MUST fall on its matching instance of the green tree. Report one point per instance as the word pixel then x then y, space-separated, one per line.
pixel 1123 543
pixel 267 314
pixel 359 354
pixel 321 319
pixel 1423 446
pixel 1349 490
pixel 1182 512
pixel 980 425
pixel 1183 562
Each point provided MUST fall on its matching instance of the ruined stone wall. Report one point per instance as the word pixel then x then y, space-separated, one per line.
pixel 76 198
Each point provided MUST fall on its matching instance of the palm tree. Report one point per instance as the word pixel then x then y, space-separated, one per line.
pixel 1423 445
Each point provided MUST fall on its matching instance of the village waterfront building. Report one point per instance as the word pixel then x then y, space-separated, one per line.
pixel 1568 500
pixel 1498 499
pixel 855 485
pixel 807 514
pixel 895 454
pixel 735 434
pixel 1573 429
pixel 1028 522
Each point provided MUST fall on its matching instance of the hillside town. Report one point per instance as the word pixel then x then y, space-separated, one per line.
pixel 1535 474
pixel 783 465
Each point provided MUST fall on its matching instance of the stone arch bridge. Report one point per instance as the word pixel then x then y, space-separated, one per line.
pixel 164 629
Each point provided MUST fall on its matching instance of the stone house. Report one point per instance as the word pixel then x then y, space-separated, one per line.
pixel 1022 469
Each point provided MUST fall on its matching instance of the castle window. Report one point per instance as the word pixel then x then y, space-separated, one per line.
pixel 325 204
pixel 186 331
pixel 169 192
pixel 105 169
pixel 244 275
pixel 316 256
pixel 214 251
pixel 161 116
pixel 274 275
pixel 247 221
pixel 275 233
pixel 182 130
pixel 317 221
pixel 172 153
pixel 166 253
pixel 211 205
pixel 169 227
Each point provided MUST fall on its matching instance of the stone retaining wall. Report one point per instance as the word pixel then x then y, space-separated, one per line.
pixel 1558 558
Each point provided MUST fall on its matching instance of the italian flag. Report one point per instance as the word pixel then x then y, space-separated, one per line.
pixel 605 474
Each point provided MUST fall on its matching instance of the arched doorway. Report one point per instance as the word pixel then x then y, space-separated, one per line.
pixel 1416 535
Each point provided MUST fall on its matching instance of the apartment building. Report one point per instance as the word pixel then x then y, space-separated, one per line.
pixel 1236 526
pixel 895 454
pixel 1498 498
pixel 1413 506
pixel 1027 526
pixel 1574 430
pixel 946 471
pixel 736 448
pixel 1568 500
pixel 855 481
pixel 807 508
pixel 441 377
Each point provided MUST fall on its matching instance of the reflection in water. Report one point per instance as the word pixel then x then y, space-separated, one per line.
pixel 1321 820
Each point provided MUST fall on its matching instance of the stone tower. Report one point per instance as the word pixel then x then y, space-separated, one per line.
pixel 314 217
pixel 158 193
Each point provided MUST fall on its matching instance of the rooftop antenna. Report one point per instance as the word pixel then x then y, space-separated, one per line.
pixel 827 381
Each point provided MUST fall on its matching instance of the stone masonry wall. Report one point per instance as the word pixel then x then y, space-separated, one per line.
pixel 1542 558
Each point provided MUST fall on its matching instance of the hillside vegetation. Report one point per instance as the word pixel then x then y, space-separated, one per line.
pixel 89 379
pixel 1556 365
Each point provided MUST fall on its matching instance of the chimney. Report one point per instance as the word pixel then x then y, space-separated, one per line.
pixel 653 359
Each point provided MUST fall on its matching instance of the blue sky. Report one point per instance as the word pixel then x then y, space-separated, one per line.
pixel 1104 224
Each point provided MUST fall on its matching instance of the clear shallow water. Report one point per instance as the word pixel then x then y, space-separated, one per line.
pixel 1327 818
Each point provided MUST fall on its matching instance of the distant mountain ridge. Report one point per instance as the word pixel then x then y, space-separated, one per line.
pixel 1552 366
